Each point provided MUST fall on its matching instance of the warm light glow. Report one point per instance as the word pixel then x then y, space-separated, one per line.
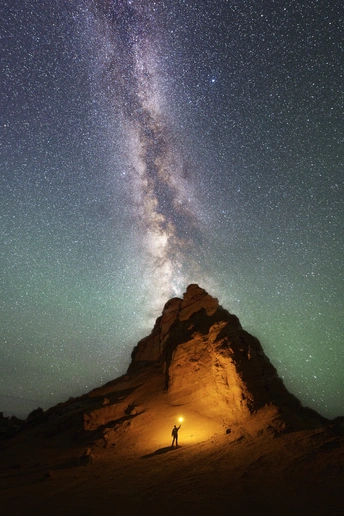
pixel 180 419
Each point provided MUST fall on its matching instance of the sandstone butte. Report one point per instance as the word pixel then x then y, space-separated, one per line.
pixel 246 443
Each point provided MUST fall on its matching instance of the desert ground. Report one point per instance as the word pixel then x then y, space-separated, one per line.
pixel 129 467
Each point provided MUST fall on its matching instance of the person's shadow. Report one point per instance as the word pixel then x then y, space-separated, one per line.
pixel 160 451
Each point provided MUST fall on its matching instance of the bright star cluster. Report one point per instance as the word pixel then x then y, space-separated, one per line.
pixel 146 145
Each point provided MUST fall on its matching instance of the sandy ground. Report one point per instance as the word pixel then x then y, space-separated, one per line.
pixel 295 473
pixel 127 466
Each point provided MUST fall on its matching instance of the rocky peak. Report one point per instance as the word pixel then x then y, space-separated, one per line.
pixel 195 299
pixel 152 348
pixel 208 360
pixel 198 360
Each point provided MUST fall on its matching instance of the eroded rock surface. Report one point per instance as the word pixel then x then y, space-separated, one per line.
pixel 209 360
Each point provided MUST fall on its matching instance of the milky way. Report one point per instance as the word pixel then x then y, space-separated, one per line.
pixel 148 145
pixel 163 203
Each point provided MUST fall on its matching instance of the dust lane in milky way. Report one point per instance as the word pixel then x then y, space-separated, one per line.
pixel 163 203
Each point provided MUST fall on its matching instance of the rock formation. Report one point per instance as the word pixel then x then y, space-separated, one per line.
pixel 209 361
pixel 199 358
pixel 84 456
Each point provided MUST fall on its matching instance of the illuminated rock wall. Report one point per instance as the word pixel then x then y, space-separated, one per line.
pixel 209 361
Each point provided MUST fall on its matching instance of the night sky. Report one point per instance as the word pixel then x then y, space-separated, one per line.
pixel 146 145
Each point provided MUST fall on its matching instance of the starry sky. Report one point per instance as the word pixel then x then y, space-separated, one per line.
pixel 146 145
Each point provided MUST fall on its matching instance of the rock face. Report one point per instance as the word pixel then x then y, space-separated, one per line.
pixel 199 369
pixel 198 363
pixel 209 361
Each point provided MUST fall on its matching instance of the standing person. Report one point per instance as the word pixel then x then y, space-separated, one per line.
pixel 175 435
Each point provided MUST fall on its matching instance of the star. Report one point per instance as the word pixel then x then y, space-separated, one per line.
pixel 150 145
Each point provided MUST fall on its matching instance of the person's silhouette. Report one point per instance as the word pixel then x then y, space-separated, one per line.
pixel 175 435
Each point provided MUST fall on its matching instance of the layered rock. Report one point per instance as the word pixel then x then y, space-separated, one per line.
pixel 209 361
